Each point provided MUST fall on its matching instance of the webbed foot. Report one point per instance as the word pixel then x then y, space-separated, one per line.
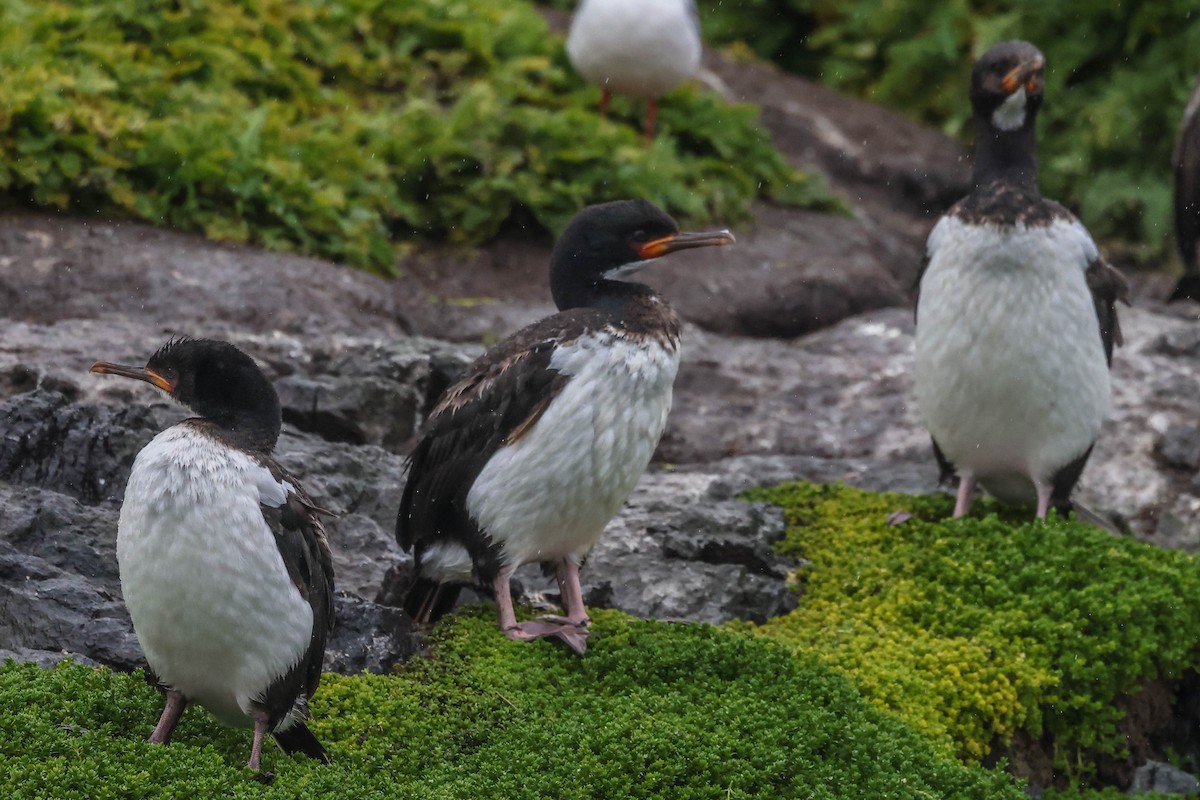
pixel 573 636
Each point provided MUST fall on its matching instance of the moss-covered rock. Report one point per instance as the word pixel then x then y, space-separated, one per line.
pixel 974 629
pixel 338 129
pixel 655 710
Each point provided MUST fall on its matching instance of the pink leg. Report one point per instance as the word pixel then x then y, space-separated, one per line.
pixel 1043 499
pixel 572 636
pixel 172 711
pixel 966 489
pixel 572 594
pixel 260 733
pixel 605 101
pixel 651 119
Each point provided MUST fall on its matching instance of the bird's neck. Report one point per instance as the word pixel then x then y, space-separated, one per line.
pixel 249 429
pixel 1006 156
pixel 602 295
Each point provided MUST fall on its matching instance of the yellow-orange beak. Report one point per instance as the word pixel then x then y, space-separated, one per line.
pixel 1027 74
pixel 684 241
pixel 137 373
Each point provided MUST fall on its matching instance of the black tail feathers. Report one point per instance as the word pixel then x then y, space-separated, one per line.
pixel 299 739
pixel 428 601
pixel 1188 288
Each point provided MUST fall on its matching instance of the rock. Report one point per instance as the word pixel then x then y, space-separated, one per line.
pixel 77 448
pixel 1162 778
pixel 369 637
pixel 1179 446
pixel 44 658
pixel 676 552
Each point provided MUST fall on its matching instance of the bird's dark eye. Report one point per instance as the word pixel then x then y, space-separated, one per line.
pixel 641 236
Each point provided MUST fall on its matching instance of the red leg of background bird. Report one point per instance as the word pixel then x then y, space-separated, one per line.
pixel 962 503
pixel 172 711
pixel 1043 499
pixel 260 732
pixel 651 119
pixel 605 101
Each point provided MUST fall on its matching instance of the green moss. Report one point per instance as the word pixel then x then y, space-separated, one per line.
pixel 341 128
pixel 655 710
pixel 974 629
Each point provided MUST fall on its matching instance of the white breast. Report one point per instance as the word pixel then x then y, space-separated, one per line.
pixel 644 48
pixel 211 601
pixel 551 493
pixel 1010 372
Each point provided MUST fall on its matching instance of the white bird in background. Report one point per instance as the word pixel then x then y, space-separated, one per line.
pixel 638 48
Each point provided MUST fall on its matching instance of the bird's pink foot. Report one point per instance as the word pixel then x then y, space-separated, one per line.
pixel 580 622
pixel 573 636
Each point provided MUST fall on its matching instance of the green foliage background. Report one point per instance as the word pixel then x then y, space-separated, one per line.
pixel 339 129
pixel 1118 78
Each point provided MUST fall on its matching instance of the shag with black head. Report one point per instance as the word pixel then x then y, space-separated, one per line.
pixel 225 565
pixel 528 457
pixel 1016 316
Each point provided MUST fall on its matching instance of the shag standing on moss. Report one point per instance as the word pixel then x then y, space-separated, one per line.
pixel 1187 198
pixel 224 563
pixel 528 457
pixel 1016 320
pixel 639 48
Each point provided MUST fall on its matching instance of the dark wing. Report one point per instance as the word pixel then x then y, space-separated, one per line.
pixel 1108 286
pixel 1186 161
pixel 503 394
pixel 296 522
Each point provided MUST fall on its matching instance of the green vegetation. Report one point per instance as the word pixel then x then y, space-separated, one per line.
pixel 1118 77
pixel 974 629
pixel 655 710
pixel 339 129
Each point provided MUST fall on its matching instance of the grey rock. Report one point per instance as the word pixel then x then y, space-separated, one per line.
pixel 677 552
pixel 1162 778
pixel 44 658
pixel 77 448
pixel 1179 446
pixel 369 637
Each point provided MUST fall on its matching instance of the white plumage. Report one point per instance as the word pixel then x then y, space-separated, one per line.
pixel 641 48
pixel 213 606
pixel 1011 375
pixel 550 494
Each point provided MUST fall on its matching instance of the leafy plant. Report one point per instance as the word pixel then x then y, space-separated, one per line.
pixel 339 129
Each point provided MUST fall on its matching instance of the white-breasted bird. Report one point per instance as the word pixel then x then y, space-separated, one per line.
pixel 1016 317
pixel 637 48
pixel 225 566
pixel 528 457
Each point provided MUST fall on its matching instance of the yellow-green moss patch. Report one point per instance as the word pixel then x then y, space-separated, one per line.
pixel 655 710
pixel 974 629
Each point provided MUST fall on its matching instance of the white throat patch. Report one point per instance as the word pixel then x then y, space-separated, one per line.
pixel 1011 113
pixel 625 270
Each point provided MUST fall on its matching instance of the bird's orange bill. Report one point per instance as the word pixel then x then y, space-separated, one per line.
pixel 1025 74
pixel 684 241
pixel 137 373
